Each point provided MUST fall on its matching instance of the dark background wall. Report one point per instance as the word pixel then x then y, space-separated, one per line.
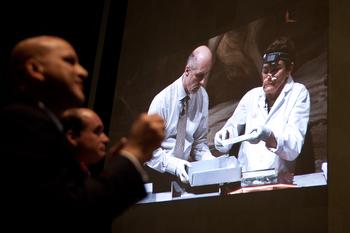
pixel 76 21
pixel 338 116
pixel 280 211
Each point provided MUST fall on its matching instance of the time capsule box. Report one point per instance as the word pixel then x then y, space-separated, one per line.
pixel 223 169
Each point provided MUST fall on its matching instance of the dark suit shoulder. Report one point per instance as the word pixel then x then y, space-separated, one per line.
pixel 122 173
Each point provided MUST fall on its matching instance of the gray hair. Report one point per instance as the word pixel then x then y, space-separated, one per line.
pixel 192 61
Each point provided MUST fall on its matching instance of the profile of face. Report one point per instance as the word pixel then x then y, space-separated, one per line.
pixel 197 69
pixel 195 78
pixel 91 143
pixel 62 74
pixel 274 77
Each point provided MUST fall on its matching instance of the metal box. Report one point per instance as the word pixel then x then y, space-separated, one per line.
pixel 224 169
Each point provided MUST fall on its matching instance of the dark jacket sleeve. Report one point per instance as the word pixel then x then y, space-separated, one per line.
pixel 102 198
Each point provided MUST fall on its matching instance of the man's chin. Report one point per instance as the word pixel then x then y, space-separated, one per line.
pixel 268 89
pixel 78 100
pixel 194 90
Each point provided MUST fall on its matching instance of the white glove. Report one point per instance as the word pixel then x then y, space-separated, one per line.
pixel 180 170
pixel 260 133
pixel 221 135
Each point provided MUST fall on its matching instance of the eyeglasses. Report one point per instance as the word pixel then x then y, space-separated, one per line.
pixel 271 69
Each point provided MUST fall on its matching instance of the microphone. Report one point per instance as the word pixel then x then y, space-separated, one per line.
pixel 266 107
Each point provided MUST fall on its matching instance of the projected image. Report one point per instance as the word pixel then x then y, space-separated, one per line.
pixel 244 108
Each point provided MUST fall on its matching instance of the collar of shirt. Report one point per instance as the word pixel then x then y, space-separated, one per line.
pixel 53 117
pixel 85 169
pixel 287 87
pixel 181 93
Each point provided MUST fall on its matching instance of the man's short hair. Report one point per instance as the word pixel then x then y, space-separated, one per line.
pixel 192 61
pixel 72 120
pixel 285 46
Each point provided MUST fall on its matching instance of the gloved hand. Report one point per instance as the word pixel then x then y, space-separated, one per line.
pixel 221 135
pixel 181 170
pixel 260 133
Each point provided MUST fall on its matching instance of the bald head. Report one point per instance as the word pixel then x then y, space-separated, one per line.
pixel 47 68
pixel 200 57
pixel 32 48
pixel 197 69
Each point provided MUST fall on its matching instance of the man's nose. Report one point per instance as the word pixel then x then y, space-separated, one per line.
pixel 268 76
pixel 105 138
pixel 82 72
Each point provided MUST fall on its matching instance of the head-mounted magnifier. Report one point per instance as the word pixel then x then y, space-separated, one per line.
pixel 273 58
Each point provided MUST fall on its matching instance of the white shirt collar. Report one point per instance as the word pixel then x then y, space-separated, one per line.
pixel 181 93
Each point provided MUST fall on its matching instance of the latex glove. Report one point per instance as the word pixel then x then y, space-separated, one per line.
pixel 181 170
pixel 221 135
pixel 260 133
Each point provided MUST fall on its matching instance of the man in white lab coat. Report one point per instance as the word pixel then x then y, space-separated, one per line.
pixel 277 113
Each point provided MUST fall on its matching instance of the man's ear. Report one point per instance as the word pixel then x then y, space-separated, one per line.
pixel 187 70
pixel 291 67
pixel 34 69
pixel 72 138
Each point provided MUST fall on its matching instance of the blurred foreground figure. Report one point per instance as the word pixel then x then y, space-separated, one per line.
pixel 44 186
pixel 87 141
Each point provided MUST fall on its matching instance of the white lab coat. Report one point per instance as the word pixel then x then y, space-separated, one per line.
pixel 167 105
pixel 288 120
